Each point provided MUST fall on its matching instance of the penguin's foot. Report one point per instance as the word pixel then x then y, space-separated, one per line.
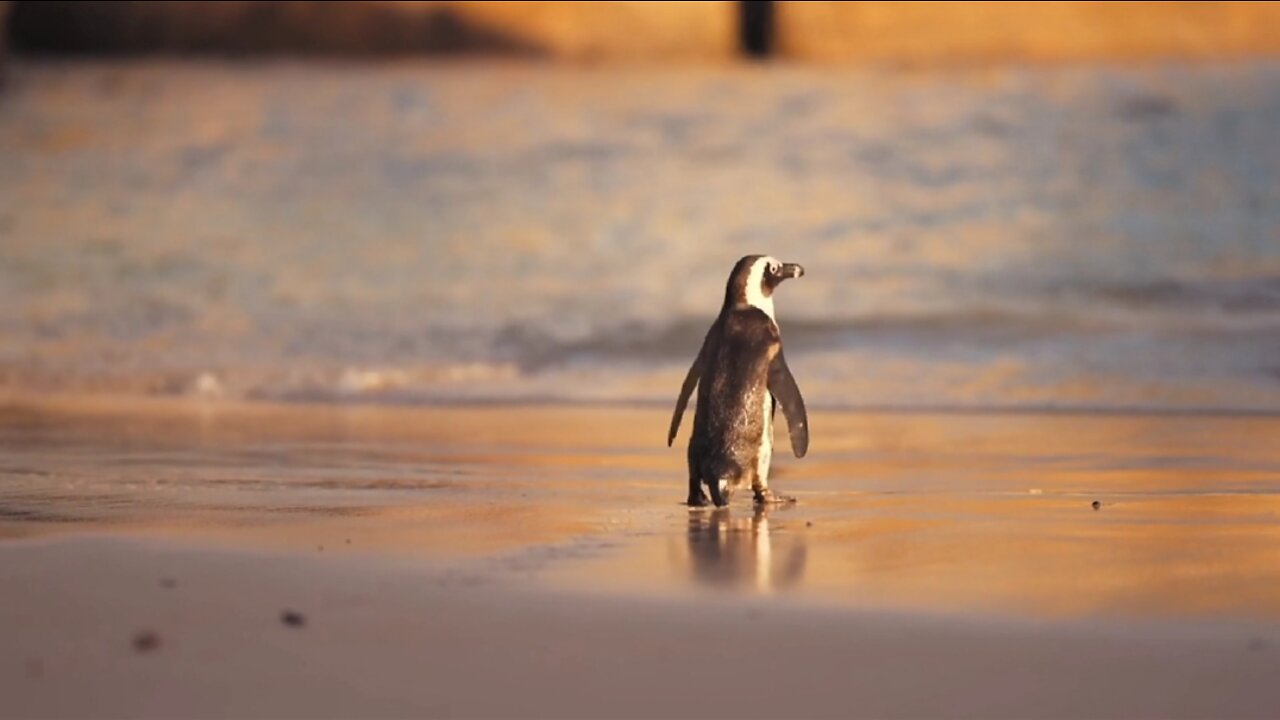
pixel 699 500
pixel 769 497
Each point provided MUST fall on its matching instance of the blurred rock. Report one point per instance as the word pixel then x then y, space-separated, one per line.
pixel 605 30
pixel 933 32
pixel 5 6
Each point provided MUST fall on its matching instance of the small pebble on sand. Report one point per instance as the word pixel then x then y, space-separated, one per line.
pixel 1096 504
pixel 293 618
pixel 168 583
pixel 146 641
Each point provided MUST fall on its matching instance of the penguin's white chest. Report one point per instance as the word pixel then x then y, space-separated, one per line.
pixel 765 454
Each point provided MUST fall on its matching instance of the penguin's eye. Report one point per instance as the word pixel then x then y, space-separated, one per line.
pixel 774 268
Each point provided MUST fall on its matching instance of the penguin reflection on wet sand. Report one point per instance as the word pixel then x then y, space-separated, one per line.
pixel 737 553
pixel 742 377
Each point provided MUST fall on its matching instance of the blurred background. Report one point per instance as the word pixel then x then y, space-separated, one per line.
pixel 999 205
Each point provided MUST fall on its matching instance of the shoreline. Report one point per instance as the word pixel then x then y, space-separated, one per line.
pixel 127 402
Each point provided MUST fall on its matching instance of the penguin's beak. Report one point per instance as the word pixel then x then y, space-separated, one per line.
pixel 790 270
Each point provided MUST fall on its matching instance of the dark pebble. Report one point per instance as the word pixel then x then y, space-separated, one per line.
pixel 292 618
pixel 146 641
pixel 168 583
pixel 1096 504
pixel 348 541
pixel 808 523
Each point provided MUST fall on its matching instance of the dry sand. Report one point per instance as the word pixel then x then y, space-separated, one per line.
pixel 534 562
pixel 385 639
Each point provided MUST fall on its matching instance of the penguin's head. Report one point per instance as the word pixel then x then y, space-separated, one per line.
pixel 753 280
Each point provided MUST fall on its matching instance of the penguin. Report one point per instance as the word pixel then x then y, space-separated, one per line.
pixel 742 377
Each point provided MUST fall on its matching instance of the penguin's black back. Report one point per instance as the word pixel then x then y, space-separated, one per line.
pixel 729 422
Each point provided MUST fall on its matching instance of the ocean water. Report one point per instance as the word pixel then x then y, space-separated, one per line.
pixel 1081 237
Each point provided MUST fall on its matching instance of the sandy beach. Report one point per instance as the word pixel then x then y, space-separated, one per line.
pixel 534 561
pixel 341 389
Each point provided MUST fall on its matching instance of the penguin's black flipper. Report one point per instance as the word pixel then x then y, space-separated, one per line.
pixel 785 392
pixel 690 382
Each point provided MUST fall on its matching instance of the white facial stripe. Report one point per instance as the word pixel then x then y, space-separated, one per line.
pixel 756 298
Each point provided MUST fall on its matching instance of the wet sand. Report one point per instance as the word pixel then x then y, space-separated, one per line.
pixel 535 561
